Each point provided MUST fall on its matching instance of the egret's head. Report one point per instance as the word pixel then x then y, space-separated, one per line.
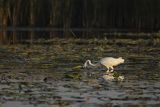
pixel 121 60
pixel 86 63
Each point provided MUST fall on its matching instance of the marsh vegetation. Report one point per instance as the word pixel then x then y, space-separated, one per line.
pixel 21 19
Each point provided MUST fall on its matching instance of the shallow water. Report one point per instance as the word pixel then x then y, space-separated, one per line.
pixel 44 75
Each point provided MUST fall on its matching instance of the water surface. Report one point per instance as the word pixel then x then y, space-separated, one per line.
pixel 44 75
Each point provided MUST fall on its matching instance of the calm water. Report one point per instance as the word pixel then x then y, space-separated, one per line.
pixel 44 75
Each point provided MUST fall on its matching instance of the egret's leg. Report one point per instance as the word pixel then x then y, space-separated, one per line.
pixel 112 68
pixel 107 71
pixel 107 68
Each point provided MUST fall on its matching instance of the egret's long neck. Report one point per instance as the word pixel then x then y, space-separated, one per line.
pixel 89 62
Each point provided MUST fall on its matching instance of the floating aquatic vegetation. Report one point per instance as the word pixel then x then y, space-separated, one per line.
pixel 77 68
pixel 73 76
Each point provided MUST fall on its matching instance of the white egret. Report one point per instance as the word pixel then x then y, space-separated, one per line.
pixel 108 62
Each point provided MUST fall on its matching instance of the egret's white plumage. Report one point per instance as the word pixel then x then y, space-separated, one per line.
pixel 108 62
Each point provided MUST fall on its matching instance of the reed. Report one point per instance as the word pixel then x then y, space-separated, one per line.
pixel 135 15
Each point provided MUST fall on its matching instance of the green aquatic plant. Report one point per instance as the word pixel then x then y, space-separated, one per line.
pixel 77 68
pixel 73 76
pixel 116 74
